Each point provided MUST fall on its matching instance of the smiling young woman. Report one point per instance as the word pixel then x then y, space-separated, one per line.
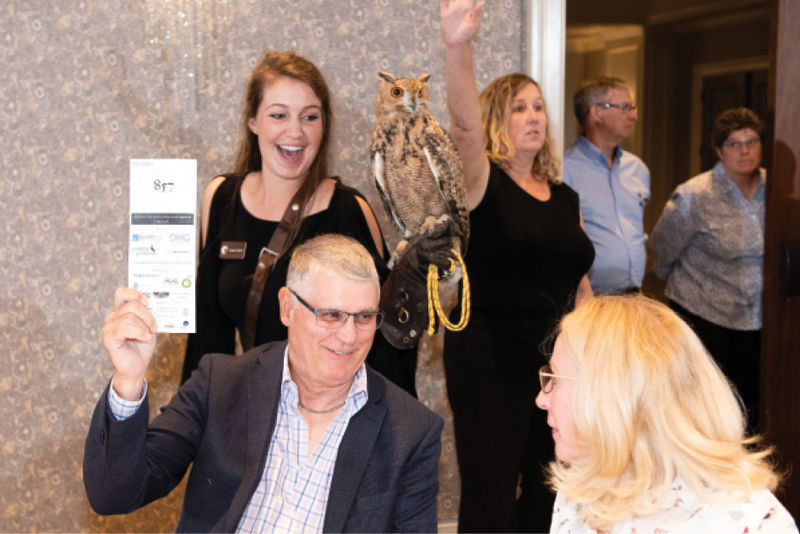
pixel 281 163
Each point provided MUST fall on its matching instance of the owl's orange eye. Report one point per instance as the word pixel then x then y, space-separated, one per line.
pixel 396 92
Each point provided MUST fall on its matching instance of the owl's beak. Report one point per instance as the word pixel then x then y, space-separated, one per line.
pixel 412 104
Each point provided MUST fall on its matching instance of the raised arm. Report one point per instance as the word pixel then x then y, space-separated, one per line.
pixel 460 22
pixel 129 335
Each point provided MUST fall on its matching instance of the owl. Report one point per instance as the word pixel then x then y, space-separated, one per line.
pixel 415 164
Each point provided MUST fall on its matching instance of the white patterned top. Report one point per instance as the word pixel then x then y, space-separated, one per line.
pixel 686 513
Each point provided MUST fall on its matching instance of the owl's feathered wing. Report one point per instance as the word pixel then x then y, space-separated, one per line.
pixel 445 165
pixel 379 176
pixel 417 172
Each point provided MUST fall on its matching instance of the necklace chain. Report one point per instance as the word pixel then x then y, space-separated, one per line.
pixel 318 412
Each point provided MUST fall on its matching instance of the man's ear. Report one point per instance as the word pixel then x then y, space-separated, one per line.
pixel 718 152
pixel 594 114
pixel 286 305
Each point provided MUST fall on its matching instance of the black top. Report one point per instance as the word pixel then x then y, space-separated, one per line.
pixel 222 285
pixel 526 257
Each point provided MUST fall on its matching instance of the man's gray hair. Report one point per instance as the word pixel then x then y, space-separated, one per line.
pixel 594 91
pixel 336 253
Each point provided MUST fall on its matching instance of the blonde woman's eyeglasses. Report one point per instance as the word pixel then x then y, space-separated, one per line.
pixel 547 379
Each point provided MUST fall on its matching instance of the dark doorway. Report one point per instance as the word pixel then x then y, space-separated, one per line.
pixel 731 90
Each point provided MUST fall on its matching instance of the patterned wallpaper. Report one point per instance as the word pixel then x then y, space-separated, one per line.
pixel 88 85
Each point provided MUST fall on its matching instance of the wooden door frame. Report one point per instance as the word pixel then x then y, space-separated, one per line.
pixel 545 34
pixel 780 341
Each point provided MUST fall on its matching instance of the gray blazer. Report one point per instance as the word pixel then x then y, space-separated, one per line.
pixel 221 421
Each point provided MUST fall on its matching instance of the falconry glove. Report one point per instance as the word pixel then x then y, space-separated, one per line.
pixel 404 293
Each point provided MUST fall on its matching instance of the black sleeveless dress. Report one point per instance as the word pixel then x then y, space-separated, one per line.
pixel 525 260
pixel 222 285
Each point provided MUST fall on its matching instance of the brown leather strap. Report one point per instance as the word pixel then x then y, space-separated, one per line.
pixel 266 259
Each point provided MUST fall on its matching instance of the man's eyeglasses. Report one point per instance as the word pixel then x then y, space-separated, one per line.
pixel 548 380
pixel 622 107
pixel 333 319
pixel 738 145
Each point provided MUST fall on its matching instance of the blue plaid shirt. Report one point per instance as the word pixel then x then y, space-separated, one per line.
pixel 293 492
pixel 121 408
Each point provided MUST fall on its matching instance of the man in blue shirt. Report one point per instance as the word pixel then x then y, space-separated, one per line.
pixel 613 185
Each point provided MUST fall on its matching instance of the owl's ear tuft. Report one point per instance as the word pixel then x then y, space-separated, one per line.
pixel 387 77
pixel 424 78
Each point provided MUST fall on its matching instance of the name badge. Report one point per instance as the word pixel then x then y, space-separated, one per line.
pixel 232 250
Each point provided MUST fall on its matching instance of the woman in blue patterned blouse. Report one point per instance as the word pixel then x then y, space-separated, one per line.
pixel 709 245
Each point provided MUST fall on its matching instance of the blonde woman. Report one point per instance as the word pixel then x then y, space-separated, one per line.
pixel 648 434
pixel 527 263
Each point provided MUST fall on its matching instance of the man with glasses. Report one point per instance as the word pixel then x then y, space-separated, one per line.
pixel 298 435
pixel 613 185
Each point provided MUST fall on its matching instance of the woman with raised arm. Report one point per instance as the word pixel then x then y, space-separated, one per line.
pixel 527 261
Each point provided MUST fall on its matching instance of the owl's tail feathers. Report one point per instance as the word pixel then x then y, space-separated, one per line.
pixel 435 309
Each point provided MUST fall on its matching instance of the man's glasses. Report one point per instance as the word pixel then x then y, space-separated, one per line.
pixel 622 107
pixel 738 145
pixel 548 380
pixel 332 319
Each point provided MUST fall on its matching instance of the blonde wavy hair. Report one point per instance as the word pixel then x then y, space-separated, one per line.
pixel 495 102
pixel 650 405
